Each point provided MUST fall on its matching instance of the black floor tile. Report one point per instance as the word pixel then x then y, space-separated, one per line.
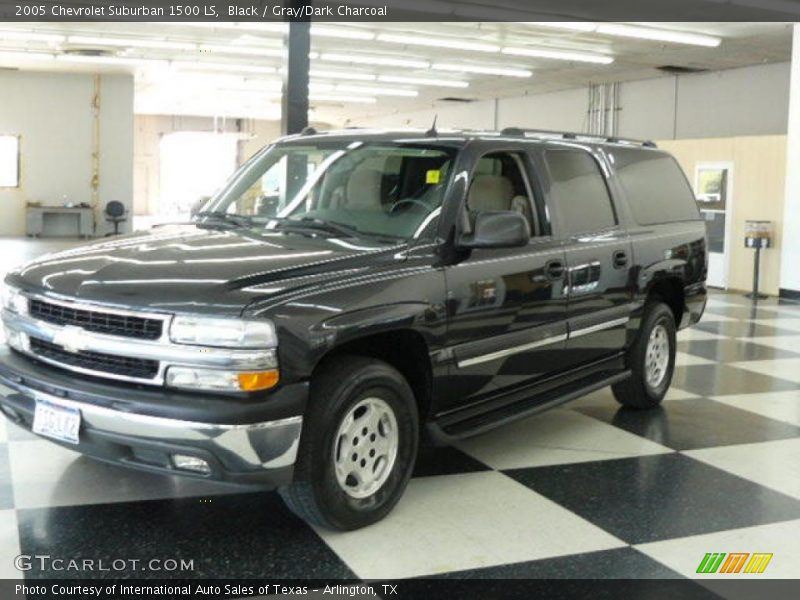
pixel 238 536
pixel 722 380
pixel 659 497
pixel 733 350
pixel 6 489
pixel 445 460
pixel 742 329
pixel 692 424
pixel 619 563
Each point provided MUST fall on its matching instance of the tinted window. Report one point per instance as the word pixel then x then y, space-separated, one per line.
pixel 656 188
pixel 579 191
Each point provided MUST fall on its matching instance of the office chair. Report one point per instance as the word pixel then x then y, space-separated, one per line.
pixel 115 213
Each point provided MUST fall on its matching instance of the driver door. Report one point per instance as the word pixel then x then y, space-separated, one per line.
pixel 506 306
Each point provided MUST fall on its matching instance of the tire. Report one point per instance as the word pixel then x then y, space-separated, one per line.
pixel 641 391
pixel 346 390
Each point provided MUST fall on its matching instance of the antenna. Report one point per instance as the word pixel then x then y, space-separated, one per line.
pixel 432 131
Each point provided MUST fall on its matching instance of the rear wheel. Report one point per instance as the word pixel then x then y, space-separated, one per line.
pixel 358 447
pixel 651 360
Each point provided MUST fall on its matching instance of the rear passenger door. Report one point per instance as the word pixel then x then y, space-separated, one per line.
pixel 598 250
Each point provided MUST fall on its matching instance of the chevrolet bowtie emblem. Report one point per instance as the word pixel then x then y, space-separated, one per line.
pixel 71 338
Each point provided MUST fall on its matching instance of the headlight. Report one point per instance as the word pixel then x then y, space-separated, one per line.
pixel 13 300
pixel 224 333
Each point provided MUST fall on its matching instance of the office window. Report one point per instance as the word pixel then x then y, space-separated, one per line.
pixel 579 191
pixel 9 161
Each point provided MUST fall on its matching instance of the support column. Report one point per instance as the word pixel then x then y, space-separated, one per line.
pixel 294 104
pixel 790 240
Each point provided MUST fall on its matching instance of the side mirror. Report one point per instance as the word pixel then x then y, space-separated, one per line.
pixel 497 229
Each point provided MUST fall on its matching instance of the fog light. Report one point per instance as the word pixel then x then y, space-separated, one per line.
pixel 184 462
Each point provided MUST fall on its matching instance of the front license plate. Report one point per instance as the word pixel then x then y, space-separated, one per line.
pixel 57 421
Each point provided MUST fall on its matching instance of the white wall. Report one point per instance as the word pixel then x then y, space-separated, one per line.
pixel 53 115
pixel 790 252
pixel 734 102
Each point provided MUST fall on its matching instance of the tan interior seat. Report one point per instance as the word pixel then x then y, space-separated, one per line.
pixel 364 189
pixel 490 192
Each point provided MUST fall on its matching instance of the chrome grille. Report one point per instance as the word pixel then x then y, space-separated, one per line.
pixel 122 366
pixel 96 321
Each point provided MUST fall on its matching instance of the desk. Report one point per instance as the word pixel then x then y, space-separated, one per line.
pixel 36 214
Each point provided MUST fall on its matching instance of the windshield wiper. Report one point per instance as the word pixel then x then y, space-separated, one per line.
pixel 318 224
pixel 231 218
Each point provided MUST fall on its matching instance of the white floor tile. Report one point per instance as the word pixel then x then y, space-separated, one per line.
pixel 556 437
pixel 605 397
pixel 457 522
pixel 9 544
pixel 782 342
pixel 782 406
pixel 691 334
pixel 3 430
pixel 45 474
pixel 708 317
pixel 781 323
pixel 773 464
pixel 782 368
pixel 683 359
pixel 684 554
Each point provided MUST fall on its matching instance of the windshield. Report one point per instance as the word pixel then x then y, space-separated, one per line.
pixel 347 188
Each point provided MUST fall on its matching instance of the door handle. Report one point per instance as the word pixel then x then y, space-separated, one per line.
pixel 620 259
pixel 554 269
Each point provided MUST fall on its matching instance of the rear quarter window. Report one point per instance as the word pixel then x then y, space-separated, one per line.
pixel 655 186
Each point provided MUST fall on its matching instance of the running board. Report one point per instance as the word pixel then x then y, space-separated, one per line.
pixel 453 426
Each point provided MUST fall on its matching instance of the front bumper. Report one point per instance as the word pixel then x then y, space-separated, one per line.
pixel 243 441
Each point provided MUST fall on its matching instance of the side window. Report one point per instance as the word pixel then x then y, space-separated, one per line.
pixel 656 188
pixel 578 190
pixel 498 183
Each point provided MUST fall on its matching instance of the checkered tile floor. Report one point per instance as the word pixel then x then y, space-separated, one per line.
pixel 588 490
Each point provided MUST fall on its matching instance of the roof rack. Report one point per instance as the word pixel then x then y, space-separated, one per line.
pixel 571 135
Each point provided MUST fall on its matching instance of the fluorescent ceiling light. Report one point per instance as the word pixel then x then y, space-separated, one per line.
pixel 660 35
pixel 324 74
pixel 413 40
pixel 482 70
pixel 110 60
pixel 130 43
pixel 568 25
pixel 338 98
pixel 560 55
pixel 376 91
pixel 366 59
pixel 27 36
pixel 423 81
pixel 221 49
pixel 342 33
pixel 23 56
pixel 205 66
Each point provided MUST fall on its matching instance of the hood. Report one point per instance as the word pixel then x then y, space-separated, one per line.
pixel 190 269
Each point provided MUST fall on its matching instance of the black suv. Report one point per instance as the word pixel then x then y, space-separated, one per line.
pixel 347 294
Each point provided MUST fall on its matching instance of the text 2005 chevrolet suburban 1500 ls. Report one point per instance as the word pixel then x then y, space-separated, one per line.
pixel 346 292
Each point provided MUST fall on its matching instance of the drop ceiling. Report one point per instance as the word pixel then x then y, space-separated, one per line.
pixel 235 70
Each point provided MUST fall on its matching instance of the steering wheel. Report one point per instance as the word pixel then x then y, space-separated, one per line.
pixel 408 201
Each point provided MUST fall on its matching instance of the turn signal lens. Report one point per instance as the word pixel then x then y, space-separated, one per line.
pixel 261 380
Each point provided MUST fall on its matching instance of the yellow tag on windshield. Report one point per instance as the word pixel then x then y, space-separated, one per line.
pixel 433 176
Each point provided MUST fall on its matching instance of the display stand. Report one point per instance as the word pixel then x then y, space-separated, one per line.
pixel 758 235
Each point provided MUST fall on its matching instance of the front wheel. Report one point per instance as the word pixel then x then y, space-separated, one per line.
pixel 651 360
pixel 358 446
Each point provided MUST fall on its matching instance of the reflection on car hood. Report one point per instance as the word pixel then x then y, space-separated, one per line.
pixel 186 268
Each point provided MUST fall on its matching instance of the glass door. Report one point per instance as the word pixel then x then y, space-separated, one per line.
pixel 713 190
